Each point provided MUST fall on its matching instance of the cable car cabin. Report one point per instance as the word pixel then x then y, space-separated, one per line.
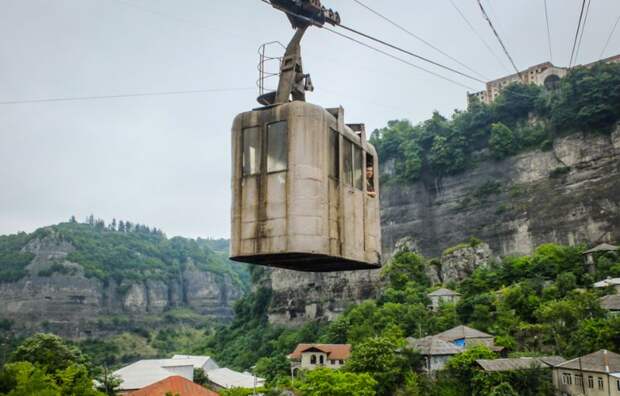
pixel 305 190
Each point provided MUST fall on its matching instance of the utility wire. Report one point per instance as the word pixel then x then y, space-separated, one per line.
pixel 380 42
pixel 583 29
pixel 132 95
pixel 473 29
pixel 609 38
pixel 419 38
pixel 398 58
pixel 548 32
pixel 572 53
pixel 486 16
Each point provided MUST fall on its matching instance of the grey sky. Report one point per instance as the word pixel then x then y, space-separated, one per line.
pixel 164 160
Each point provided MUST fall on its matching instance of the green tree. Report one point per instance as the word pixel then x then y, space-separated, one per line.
pixel 463 367
pixel 328 382
pixel 25 379
pixel 47 351
pixel 502 142
pixel 503 389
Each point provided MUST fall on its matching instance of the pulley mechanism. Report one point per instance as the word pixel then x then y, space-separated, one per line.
pixel 293 83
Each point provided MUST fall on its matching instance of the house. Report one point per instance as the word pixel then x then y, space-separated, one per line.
pixel 174 385
pixel 522 363
pixel 602 248
pixel 443 296
pixel 596 374
pixel 224 378
pixel 465 336
pixel 435 351
pixel 611 303
pixel 608 282
pixel 311 356
pixel 145 372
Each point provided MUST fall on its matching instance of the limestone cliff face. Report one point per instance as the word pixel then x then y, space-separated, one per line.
pixel 72 305
pixel 568 195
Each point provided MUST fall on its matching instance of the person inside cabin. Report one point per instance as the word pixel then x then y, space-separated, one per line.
pixel 370 181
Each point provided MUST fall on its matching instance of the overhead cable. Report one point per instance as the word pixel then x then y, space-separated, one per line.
pixel 486 16
pixel 613 29
pixel 380 42
pixel 572 53
pixel 417 37
pixel 477 34
pixel 548 32
pixel 130 95
pixel 583 29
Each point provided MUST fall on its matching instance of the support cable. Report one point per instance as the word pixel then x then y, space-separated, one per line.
pixel 583 29
pixel 572 53
pixel 427 43
pixel 486 16
pixel 613 29
pixel 548 32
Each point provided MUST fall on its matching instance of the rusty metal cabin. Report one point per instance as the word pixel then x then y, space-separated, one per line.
pixel 300 191
pixel 305 187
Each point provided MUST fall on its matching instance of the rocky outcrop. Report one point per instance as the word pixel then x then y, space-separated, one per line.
pixel 566 195
pixel 460 262
pixel 68 303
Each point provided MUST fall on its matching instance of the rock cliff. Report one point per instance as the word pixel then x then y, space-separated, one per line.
pixel 67 302
pixel 568 195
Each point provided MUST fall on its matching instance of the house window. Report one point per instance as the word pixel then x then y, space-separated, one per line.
pixel 277 146
pixel 313 359
pixel 618 384
pixel 321 359
pixel 340 361
pixel 578 379
pixel 251 151
pixel 567 379
pixel 590 382
pixel 334 155
pixel 601 385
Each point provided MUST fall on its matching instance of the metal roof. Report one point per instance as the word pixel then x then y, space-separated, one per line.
pixel 205 362
pixel 443 292
pixel 607 282
pixel 602 361
pixel 459 332
pixel 227 378
pixel 603 247
pixel 522 363
pixel 146 372
pixel 433 346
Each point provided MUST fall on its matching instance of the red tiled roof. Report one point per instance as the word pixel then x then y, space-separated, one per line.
pixel 174 384
pixel 333 351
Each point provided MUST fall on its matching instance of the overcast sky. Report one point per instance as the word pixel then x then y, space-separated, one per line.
pixel 165 160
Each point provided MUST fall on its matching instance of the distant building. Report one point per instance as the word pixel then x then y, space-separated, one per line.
pixel 311 356
pixel 174 385
pixel 435 351
pixel 602 248
pixel 596 374
pixel 443 296
pixel 522 363
pixel 611 303
pixel 545 74
pixel 224 378
pixel 145 372
pixel 464 336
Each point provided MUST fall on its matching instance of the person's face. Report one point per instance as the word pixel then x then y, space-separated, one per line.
pixel 369 173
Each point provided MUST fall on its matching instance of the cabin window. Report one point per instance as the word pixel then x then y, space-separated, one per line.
pixel 370 176
pixel 251 151
pixel 347 161
pixel 358 160
pixel 277 146
pixel 334 154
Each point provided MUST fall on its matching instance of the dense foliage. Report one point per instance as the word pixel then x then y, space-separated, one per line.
pixel 522 117
pixel 121 251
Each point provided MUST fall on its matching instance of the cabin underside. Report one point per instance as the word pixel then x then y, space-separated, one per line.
pixel 307 262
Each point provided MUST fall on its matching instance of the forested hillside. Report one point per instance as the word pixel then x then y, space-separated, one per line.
pixel 522 117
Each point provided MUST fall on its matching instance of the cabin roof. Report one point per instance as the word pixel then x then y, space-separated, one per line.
pixel 602 361
pixel 333 351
